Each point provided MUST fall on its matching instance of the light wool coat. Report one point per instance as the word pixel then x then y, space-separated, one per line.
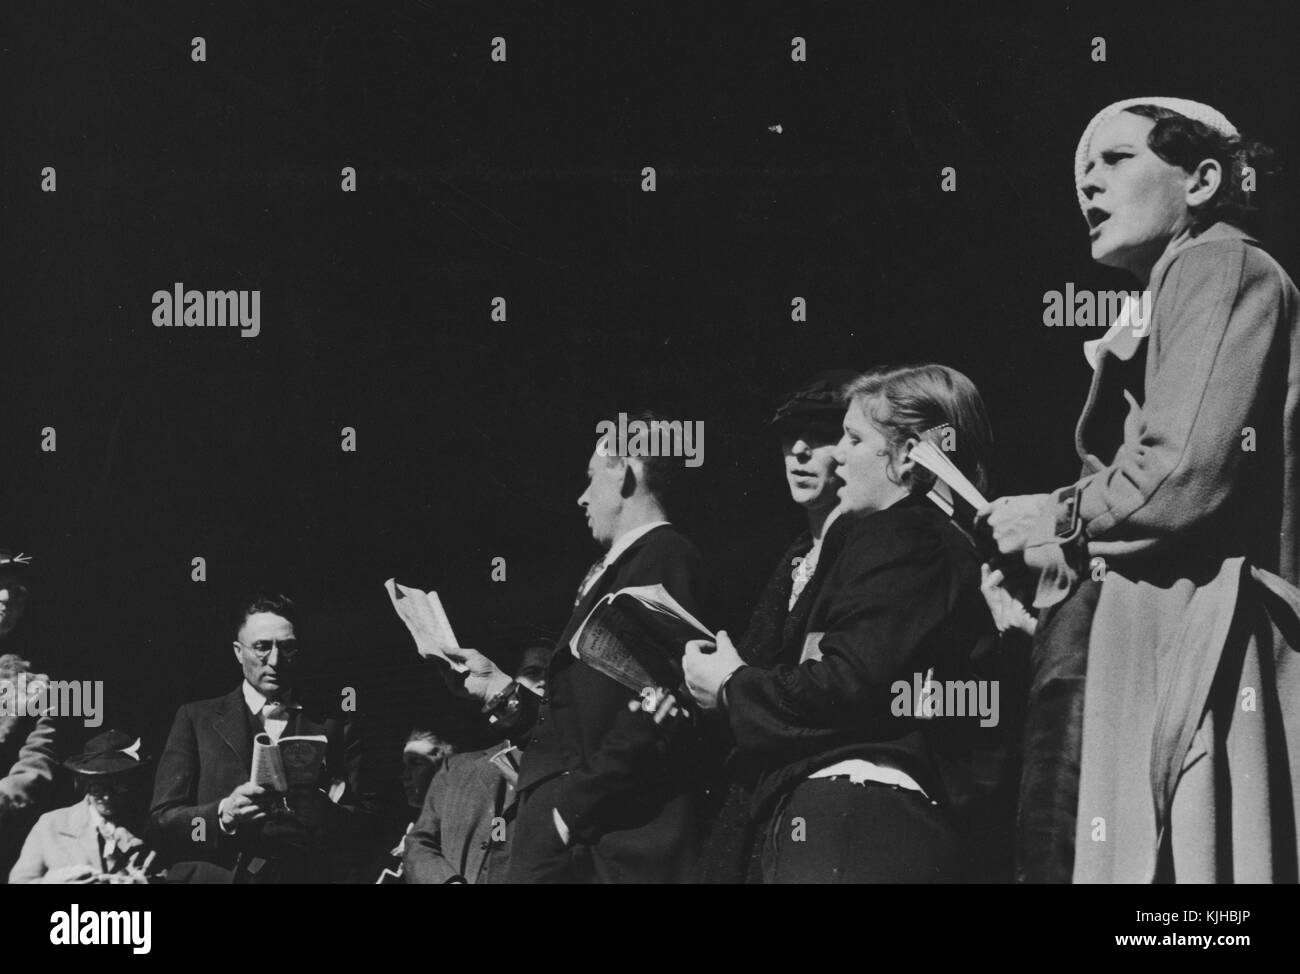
pixel 1191 735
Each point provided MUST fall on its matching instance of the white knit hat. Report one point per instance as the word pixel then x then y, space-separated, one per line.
pixel 1191 109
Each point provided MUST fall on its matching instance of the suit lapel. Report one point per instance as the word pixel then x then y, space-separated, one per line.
pixel 233 723
pixel 603 586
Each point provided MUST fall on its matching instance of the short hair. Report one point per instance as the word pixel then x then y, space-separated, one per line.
pixel 426 735
pixel 1184 142
pixel 905 401
pixel 274 602
pixel 662 474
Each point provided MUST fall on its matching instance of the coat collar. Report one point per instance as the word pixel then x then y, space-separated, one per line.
pixel 1128 331
pixel 1123 347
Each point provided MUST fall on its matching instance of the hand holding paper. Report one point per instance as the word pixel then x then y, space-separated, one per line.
pixel 428 623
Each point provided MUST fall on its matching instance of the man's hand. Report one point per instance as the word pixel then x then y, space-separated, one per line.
pixel 78 873
pixel 1020 522
pixel 482 680
pixel 247 803
pixel 706 672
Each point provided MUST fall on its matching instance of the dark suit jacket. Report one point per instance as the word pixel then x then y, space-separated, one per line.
pixel 627 790
pixel 454 834
pixel 898 596
pixel 209 752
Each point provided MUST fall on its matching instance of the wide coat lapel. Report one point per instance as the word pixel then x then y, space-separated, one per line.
pixel 234 725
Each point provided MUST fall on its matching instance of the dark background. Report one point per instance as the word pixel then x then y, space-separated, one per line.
pixel 521 179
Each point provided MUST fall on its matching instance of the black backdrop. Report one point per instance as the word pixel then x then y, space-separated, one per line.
pixel 521 179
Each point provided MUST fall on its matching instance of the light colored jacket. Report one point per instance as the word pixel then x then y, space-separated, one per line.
pixel 1191 735
pixel 65 837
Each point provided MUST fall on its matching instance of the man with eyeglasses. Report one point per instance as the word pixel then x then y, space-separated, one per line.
pixel 211 819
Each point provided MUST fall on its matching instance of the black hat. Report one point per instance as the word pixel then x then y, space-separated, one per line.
pixel 111 752
pixel 824 393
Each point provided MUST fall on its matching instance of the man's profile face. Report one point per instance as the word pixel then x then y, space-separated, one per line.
pixel 602 501
pixel 13 601
pixel 266 676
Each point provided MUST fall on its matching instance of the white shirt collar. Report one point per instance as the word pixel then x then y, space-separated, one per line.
pixel 617 548
pixel 1126 332
pixel 256 700
pixel 626 540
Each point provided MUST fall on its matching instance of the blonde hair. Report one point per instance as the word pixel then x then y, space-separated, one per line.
pixel 904 402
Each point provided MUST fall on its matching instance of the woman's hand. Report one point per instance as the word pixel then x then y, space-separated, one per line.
pixel 1008 612
pixel 1017 523
pixel 706 672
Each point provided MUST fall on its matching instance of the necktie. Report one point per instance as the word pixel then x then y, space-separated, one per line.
pixel 587 579
pixel 275 718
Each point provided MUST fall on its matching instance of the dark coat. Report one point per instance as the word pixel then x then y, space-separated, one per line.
pixel 627 791
pixel 774 634
pixel 209 753
pixel 897 596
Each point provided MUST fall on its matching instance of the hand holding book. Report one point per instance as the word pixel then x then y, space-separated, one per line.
pixel 635 637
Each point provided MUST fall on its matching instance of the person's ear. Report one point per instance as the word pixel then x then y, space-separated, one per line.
pixel 236 647
pixel 633 470
pixel 904 464
pixel 1203 182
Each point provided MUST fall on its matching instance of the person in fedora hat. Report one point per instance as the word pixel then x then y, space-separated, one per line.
pixel 97 840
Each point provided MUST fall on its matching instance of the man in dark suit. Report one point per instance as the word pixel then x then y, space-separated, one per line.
pixel 607 794
pixel 218 827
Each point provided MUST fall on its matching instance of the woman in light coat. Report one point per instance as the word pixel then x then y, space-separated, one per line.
pixel 1170 566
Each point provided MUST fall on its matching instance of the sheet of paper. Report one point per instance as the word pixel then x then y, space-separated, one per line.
pixel 427 621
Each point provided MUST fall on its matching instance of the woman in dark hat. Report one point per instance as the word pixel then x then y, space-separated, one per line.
pixel 807 427
pixel 97 840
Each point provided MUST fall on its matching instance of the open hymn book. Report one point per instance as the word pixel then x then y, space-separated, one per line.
pixel 632 634
pixel 293 762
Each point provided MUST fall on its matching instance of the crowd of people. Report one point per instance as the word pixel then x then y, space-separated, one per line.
pixel 1136 630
